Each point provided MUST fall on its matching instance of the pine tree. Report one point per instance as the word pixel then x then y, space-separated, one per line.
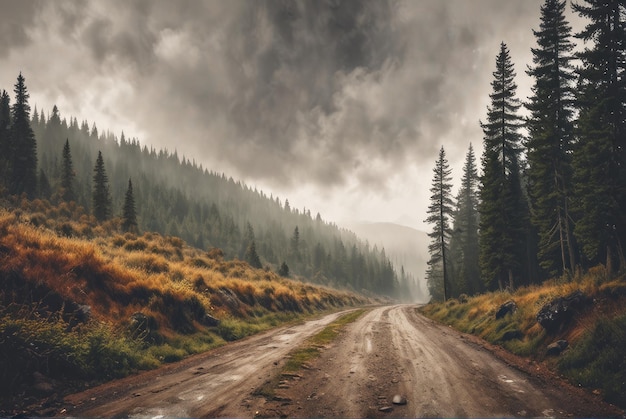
pixel 550 140
pixel 5 142
pixel 465 230
pixel 439 213
pixel 599 162
pixel 101 196
pixel 502 212
pixel 295 253
pixel 45 190
pixel 129 212
pixel 23 177
pixel 67 175
pixel 250 255
pixel 283 270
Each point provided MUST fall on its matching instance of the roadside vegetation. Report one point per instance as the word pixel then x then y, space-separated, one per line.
pixel 82 302
pixel 596 353
pixel 310 350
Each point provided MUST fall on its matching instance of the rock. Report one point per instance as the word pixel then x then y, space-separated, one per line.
pixel 511 334
pixel 386 409
pixel 143 327
pixel 399 400
pixel 506 308
pixel 558 312
pixel 210 321
pixel 42 384
pixel 557 347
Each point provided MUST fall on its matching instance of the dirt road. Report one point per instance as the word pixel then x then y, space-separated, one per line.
pixel 388 351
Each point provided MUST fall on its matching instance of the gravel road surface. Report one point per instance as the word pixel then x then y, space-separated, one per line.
pixel 389 351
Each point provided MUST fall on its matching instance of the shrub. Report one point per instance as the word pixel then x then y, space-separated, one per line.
pixel 599 360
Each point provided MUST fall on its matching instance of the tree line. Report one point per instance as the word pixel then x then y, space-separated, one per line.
pixel 551 202
pixel 51 158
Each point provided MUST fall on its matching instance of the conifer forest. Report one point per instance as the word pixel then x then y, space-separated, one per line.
pixel 550 198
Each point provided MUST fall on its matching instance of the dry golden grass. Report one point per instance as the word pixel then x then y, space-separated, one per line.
pixel 117 274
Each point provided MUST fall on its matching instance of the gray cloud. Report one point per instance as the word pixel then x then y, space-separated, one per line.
pixel 15 18
pixel 327 93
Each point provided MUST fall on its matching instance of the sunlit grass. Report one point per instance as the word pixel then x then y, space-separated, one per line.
pixel 54 259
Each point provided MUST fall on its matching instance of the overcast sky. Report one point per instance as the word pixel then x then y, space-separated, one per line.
pixel 339 106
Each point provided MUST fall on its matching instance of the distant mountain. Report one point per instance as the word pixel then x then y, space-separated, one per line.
pixel 404 246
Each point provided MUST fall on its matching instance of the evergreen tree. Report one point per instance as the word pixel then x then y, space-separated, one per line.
pixel 465 231
pixel 5 142
pixel 101 196
pixel 502 204
pixel 439 213
pixel 550 139
pixel 129 213
pixel 45 190
pixel 67 175
pixel 283 270
pixel 250 255
pixel 295 246
pixel 23 144
pixel 599 154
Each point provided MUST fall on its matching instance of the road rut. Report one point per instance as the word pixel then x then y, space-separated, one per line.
pixel 388 351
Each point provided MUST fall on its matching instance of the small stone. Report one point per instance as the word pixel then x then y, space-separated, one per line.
pixel 398 399
pixel 386 409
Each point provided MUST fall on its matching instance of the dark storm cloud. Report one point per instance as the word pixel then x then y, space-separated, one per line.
pixel 292 91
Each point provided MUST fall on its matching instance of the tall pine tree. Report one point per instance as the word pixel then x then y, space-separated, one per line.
pixel 23 177
pixel 101 197
pixel 129 212
pixel 550 140
pixel 465 231
pixel 503 210
pixel 599 162
pixel 67 174
pixel 5 143
pixel 439 214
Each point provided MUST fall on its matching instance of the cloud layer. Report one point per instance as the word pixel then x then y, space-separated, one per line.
pixel 328 96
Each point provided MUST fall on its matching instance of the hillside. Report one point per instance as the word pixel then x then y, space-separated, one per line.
pixel 593 327
pixel 80 302
pixel 406 247
pixel 177 196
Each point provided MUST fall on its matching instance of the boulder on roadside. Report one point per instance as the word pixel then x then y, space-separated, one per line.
pixel 144 327
pixel 557 313
pixel 42 385
pixel 506 308
pixel 511 334
pixel 557 347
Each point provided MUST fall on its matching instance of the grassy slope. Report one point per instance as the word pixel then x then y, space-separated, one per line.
pixel 54 260
pixel 596 357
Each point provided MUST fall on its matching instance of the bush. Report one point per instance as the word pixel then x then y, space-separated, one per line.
pixel 599 360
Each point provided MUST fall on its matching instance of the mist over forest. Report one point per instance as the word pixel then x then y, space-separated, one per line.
pixel 176 196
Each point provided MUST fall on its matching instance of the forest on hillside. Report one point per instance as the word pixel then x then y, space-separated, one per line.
pixel 550 200
pixel 54 158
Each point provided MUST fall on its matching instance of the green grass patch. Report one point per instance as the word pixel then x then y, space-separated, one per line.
pixel 599 360
pixel 309 351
